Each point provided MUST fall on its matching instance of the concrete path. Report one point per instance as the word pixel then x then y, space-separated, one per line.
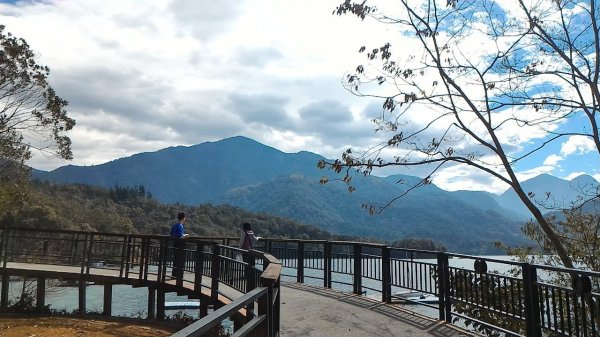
pixel 314 312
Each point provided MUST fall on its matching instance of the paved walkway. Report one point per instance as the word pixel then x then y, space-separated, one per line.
pixel 314 312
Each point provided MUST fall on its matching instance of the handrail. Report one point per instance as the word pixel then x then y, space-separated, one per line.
pixel 146 259
pixel 208 322
pixel 525 304
pixel 528 303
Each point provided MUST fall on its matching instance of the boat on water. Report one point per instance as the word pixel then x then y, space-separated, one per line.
pixel 414 297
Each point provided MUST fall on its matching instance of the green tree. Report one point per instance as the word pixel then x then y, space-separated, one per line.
pixel 466 75
pixel 32 116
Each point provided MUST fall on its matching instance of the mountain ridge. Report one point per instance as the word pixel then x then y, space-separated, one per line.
pixel 244 173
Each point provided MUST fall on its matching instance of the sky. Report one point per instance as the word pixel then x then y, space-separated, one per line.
pixel 143 76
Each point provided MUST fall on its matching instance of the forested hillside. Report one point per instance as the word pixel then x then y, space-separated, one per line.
pixel 133 210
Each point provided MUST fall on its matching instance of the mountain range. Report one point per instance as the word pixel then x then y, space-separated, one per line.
pixel 244 173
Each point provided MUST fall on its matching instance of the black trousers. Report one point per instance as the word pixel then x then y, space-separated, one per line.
pixel 178 258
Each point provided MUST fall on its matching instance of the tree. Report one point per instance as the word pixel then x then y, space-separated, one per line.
pixel 32 116
pixel 471 80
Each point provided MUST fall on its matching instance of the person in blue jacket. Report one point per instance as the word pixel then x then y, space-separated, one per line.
pixel 178 234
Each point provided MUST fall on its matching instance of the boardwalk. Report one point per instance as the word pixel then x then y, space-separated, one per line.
pixel 112 276
pixel 314 312
pixel 306 311
pixel 245 285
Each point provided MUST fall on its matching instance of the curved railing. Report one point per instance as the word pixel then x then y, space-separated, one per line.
pixel 236 280
pixel 491 294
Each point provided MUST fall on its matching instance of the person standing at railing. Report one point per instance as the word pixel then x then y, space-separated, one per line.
pixel 248 238
pixel 178 234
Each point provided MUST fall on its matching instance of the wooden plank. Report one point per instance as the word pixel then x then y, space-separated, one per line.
pixel 271 274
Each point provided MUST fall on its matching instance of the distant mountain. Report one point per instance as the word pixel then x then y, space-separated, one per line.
pixel 244 173
pixel 421 213
pixel 549 193
pixel 194 174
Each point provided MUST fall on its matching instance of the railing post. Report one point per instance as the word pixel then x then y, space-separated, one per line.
pixel 269 305
pixel 162 252
pixel 143 261
pixel 165 259
pixel 160 303
pixel 84 258
pixel 5 239
pixel 443 281
pixel 327 265
pixel 250 271
pixel 151 302
pixel 357 268
pixel 147 258
pixel 89 255
pixel 107 303
pixel 300 261
pixel 199 267
pixel 128 255
pixel 74 243
pixel 386 277
pixel 40 293
pixel 82 295
pixel 265 308
pixel 4 294
pixel 532 302
pixel 214 274
pixel 123 250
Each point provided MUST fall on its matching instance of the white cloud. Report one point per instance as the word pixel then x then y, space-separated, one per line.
pixel 577 145
pixel 461 177
pixel 536 171
pixel 574 175
pixel 141 76
pixel 552 160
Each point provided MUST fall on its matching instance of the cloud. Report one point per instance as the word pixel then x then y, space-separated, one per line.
pixel 528 174
pixel 458 177
pixel 256 57
pixel 574 175
pixel 205 19
pixel 267 109
pixel 141 76
pixel 577 145
pixel 552 160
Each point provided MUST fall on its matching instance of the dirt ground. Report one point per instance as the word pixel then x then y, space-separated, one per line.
pixel 81 327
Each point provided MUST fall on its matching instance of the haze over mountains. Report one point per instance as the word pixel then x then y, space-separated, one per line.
pixel 244 173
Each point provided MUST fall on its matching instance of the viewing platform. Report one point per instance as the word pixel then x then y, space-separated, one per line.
pixel 313 287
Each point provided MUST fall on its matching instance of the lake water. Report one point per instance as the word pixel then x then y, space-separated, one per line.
pixel 127 301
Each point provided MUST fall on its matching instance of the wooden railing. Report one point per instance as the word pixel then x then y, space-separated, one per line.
pixel 265 323
pixel 146 260
pixel 537 300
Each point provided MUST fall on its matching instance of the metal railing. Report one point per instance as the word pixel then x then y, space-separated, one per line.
pixel 492 295
pixel 148 259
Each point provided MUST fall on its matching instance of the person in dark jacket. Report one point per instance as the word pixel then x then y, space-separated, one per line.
pixel 248 238
pixel 178 234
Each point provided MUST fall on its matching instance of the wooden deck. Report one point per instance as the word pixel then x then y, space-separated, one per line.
pixel 112 276
pixel 307 311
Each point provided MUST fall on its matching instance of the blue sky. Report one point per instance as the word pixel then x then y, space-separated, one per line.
pixel 182 72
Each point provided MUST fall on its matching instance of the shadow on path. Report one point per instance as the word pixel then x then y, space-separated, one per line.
pixel 314 311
